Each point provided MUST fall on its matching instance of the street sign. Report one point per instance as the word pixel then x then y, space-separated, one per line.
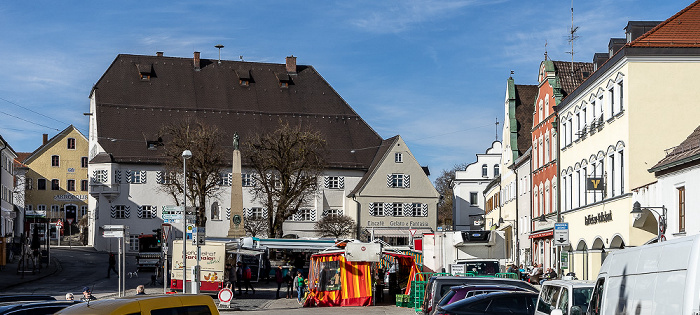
pixel 113 233
pixel 412 231
pixel 113 227
pixel 561 234
pixel 70 220
pixel 59 224
pixel 165 232
pixel 190 230
pixel 225 296
pixel 199 236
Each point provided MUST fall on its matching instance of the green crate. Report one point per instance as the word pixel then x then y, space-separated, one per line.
pixel 400 300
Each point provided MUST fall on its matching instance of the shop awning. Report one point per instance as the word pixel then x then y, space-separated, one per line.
pixel 542 234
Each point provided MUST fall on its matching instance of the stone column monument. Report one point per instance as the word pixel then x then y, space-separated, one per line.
pixel 236 221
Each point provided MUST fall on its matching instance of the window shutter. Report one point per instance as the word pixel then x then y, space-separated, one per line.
pixel 325 212
pixel 407 181
pixel 424 209
pixel 326 180
pixel 154 212
pixel 230 178
pixel 313 214
pixel 129 176
pixel 388 209
pixel 264 213
pixel 372 210
pixel 228 214
pixel 113 211
pixel 159 177
pixel 408 209
pixel 127 211
pixel 118 176
pixel 388 180
pixel 139 212
pixel 143 177
pixel 247 212
pixel 341 182
pixel 340 211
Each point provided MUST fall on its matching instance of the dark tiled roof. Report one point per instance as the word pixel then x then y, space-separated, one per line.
pixel 569 82
pixel 680 30
pixel 21 157
pixel 131 111
pixel 524 106
pixel 687 151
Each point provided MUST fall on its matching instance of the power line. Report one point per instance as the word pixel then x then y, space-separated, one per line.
pixel 33 111
pixel 31 122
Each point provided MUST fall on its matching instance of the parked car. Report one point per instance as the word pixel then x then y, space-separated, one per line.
pixel 659 279
pixel 35 307
pixel 199 304
pixel 461 292
pixel 569 296
pixel 25 297
pixel 495 303
pixel 438 286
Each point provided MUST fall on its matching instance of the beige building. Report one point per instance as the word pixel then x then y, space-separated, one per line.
pixel 615 126
pixel 56 179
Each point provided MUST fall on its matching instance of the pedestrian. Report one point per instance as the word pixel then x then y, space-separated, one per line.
pixel 87 294
pixel 299 285
pixel 231 277
pixel 112 265
pixel 239 276
pixel 523 272
pixel 288 280
pixel 140 290
pixel 69 296
pixel 247 275
pixel 279 279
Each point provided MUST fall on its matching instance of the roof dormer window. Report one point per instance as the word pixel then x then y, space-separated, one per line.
pixel 284 80
pixel 244 78
pixel 145 71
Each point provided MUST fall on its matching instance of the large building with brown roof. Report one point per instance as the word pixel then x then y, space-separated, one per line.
pixel 139 94
pixel 616 125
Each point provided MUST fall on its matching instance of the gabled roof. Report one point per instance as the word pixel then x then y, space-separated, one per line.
pixel 568 80
pixel 524 106
pixel 680 30
pixel 381 153
pixel 131 109
pixel 687 151
pixel 59 136
pixel 21 156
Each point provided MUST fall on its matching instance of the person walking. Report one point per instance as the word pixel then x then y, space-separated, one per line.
pixel 279 279
pixel 231 277
pixel 247 275
pixel 290 284
pixel 112 265
pixel 239 276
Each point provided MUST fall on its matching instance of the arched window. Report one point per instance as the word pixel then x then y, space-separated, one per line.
pixel 215 211
pixel 484 170
pixel 496 170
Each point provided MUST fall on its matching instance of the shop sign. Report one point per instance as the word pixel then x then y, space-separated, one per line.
pixel 600 218
pixel 397 223
pixel 595 183
pixel 69 197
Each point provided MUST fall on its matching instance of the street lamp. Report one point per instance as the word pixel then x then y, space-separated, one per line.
pixel 517 239
pixel 637 213
pixel 185 156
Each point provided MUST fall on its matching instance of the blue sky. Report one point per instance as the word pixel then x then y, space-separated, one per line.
pixel 432 71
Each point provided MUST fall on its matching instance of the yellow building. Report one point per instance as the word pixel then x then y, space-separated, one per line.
pixel 56 184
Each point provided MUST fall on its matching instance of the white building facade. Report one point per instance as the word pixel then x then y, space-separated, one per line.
pixel 468 189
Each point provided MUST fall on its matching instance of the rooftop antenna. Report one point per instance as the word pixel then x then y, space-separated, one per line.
pixel 219 46
pixel 545 50
pixel 497 128
pixel 572 37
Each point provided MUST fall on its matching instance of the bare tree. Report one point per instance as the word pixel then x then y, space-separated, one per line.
pixel 255 226
pixel 335 225
pixel 286 165
pixel 203 168
pixel 443 184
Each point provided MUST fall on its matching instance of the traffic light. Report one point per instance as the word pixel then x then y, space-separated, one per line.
pixel 158 235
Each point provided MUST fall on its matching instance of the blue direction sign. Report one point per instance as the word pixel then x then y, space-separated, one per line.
pixel 561 234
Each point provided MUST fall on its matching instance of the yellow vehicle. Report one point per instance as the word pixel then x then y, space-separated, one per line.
pixel 191 304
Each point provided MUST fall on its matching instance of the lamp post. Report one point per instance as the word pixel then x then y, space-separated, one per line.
pixel 637 211
pixel 185 156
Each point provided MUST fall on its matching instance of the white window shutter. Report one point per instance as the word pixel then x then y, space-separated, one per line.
pixel 341 182
pixel 407 181
pixel 388 209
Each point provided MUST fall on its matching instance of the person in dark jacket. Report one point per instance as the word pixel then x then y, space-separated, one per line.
pixel 288 280
pixel 279 279
pixel 112 265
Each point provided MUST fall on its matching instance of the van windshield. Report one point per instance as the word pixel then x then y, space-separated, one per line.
pixel 581 297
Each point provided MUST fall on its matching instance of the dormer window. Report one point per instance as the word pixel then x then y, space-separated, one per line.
pixel 145 71
pixel 244 78
pixel 284 80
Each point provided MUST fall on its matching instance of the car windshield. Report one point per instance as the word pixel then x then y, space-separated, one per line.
pixel 481 268
pixel 448 296
pixel 582 296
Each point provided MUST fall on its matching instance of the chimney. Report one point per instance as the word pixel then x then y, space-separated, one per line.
pixel 196 60
pixel 159 54
pixel 45 138
pixel 291 64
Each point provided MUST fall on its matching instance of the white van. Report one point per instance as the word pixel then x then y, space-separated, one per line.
pixel 658 279
pixel 569 296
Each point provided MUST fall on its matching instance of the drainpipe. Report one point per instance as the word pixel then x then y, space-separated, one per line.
pixel 357 210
